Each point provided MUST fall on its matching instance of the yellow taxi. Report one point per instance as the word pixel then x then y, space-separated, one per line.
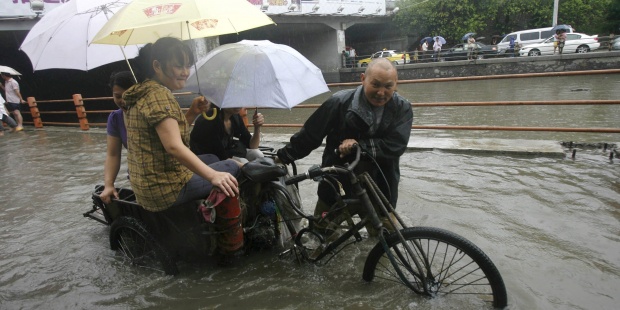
pixel 392 55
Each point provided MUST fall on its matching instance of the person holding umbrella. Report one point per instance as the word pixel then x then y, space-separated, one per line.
pixel 560 37
pixel 372 116
pixel 163 171
pixel 470 47
pixel 437 48
pixel 225 135
pixel 13 98
pixel 424 48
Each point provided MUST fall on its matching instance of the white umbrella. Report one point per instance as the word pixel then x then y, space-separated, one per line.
pixel 61 38
pixel 256 74
pixel 10 70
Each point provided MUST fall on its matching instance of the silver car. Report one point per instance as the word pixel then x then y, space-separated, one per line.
pixel 616 44
pixel 575 43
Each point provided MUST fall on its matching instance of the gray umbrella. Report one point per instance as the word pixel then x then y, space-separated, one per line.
pixel 561 28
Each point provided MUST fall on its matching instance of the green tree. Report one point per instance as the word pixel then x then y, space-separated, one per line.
pixel 453 18
pixel 612 23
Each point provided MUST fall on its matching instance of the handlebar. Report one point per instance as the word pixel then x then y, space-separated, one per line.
pixel 316 171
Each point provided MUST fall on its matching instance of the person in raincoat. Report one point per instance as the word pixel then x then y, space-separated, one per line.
pixel 373 116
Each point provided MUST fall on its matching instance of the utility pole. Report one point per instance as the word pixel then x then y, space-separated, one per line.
pixel 555 12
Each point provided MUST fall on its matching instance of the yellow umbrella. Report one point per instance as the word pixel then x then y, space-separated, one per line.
pixel 145 21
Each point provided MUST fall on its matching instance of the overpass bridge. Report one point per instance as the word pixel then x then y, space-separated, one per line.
pixel 318 29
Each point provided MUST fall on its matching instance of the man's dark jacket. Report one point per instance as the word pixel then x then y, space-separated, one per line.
pixel 348 115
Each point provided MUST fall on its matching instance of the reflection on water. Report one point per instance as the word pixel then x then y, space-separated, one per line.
pixel 550 225
pixel 591 87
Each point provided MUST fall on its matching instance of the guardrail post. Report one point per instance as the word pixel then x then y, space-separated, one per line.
pixel 81 111
pixel 34 111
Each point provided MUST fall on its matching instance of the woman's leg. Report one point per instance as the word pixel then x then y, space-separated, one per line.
pixel 208 158
pixel 199 188
pixel 9 120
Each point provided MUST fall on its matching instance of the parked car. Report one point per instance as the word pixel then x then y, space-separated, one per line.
pixel 394 56
pixel 615 44
pixel 575 43
pixel 526 37
pixel 459 52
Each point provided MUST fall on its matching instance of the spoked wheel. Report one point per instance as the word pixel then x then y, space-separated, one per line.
pixel 453 266
pixel 130 236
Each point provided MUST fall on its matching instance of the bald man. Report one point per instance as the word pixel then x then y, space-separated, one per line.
pixel 372 115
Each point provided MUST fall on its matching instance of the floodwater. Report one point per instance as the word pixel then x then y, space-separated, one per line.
pixel 590 87
pixel 550 225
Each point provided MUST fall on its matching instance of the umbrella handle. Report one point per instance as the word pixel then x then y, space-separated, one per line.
pixel 209 118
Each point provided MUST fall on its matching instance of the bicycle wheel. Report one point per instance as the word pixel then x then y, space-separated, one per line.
pixel 455 267
pixel 130 236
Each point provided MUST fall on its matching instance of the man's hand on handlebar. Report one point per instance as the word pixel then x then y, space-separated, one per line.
pixel 346 147
pixel 277 160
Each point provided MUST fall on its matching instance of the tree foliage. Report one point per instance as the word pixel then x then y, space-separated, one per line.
pixel 453 18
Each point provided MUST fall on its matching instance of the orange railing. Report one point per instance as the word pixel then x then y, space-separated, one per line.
pixel 82 120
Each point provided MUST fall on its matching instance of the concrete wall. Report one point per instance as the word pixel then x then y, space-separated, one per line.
pixel 321 49
pixel 499 66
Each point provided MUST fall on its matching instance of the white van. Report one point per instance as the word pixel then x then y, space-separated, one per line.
pixel 525 37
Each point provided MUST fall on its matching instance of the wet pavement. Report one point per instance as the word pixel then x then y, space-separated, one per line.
pixel 550 224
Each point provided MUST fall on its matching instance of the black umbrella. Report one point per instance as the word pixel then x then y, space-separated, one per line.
pixel 427 39
pixel 561 28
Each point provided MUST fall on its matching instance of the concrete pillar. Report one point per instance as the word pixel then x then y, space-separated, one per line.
pixel 202 46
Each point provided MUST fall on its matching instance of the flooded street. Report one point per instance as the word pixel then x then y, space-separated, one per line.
pixel 550 225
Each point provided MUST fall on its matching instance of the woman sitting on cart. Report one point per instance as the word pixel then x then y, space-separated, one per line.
pixel 163 171
pixel 225 135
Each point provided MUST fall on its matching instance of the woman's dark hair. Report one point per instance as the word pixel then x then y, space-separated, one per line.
pixel 123 79
pixel 163 50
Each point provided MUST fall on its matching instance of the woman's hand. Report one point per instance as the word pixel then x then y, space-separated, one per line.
pixel 226 183
pixel 258 119
pixel 199 105
pixel 107 194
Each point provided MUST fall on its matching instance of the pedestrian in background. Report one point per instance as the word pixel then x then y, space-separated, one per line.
pixel 436 49
pixel 345 57
pixel 424 49
pixel 561 35
pixel 611 41
pixel 13 98
pixel 470 47
pixel 352 55
pixel 511 46
pixel 4 117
